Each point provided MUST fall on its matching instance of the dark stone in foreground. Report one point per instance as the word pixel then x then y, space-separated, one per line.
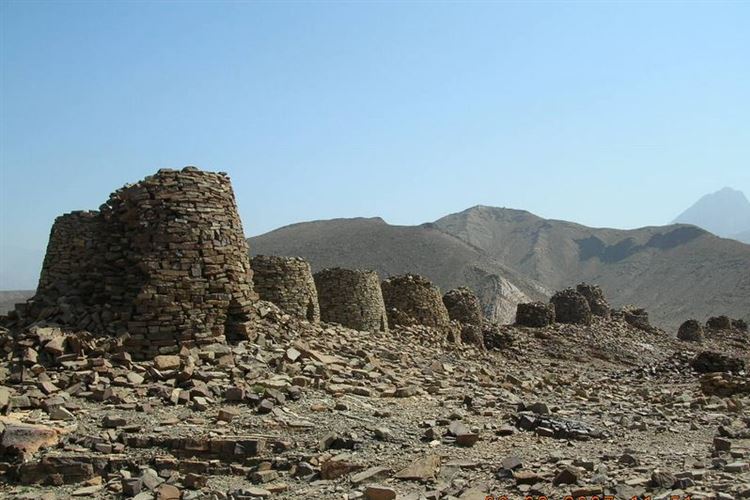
pixel 557 428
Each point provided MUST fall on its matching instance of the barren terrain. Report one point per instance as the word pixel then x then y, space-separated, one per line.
pixel 326 412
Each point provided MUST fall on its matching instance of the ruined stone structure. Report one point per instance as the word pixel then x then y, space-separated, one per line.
pixel 595 297
pixel 571 307
pixel 164 260
pixel 535 314
pixel 351 298
pixel 711 361
pixel 719 323
pixel 463 306
pixel 690 330
pixel 288 283
pixel 636 317
pixel 413 300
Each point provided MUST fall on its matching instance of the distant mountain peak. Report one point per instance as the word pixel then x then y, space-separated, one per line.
pixel 728 189
pixel 725 213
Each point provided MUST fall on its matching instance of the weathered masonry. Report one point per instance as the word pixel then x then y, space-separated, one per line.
pixel 164 260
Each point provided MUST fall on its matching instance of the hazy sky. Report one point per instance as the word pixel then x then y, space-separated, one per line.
pixel 607 114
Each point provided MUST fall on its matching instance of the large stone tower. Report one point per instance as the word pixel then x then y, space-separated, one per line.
pixel 164 260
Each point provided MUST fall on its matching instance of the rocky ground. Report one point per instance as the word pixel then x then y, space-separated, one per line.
pixel 320 411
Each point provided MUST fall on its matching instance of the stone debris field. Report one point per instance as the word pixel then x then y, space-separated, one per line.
pixel 157 360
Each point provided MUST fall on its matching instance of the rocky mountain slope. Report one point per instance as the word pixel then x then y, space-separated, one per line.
pixel 725 213
pixel 674 271
pixel 744 236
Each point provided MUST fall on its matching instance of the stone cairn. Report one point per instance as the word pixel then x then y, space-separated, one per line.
pixel 571 307
pixel 413 300
pixel 535 314
pixel 595 297
pixel 637 317
pixel 164 261
pixel 288 283
pixel 463 306
pixel 351 298
pixel 719 323
pixel 465 310
pixel 691 330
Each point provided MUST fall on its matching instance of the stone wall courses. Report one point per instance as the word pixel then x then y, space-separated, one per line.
pixel 288 283
pixel 351 298
pixel 164 261
pixel 411 299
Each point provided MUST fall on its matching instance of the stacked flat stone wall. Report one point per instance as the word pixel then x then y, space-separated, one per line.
pixel 535 314
pixel 571 307
pixel 691 330
pixel 463 306
pixel 413 300
pixel 595 297
pixel 637 317
pixel 164 260
pixel 719 323
pixel 71 277
pixel 351 298
pixel 288 283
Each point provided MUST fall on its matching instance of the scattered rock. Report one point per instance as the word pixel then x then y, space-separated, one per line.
pixel 422 469
pixel 376 492
pixel 165 362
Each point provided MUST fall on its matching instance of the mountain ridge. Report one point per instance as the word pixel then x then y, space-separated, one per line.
pixel 725 213
pixel 507 255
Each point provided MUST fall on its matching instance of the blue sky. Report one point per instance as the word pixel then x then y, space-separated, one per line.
pixel 607 114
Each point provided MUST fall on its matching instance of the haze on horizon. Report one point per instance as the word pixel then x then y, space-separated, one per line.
pixel 609 115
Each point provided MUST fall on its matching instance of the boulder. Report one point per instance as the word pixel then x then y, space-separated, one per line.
pixel 166 362
pixel 19 439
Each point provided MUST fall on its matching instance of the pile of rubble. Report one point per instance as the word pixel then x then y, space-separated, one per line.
pixel 299 408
